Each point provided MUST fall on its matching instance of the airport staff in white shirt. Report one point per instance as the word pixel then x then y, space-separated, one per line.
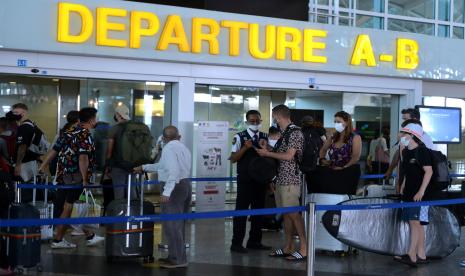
pixel 174 170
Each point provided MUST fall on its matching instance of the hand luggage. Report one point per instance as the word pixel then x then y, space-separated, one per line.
pixel 323 240
pixel 23 243
pixel 375 190
pixel 131 239
pixel 45 208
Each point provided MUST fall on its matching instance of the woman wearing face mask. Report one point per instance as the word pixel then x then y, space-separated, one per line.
pixel 344 146
pixel 417 168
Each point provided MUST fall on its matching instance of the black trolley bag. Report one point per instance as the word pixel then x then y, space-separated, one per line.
pixel 131 239
pixel 23 243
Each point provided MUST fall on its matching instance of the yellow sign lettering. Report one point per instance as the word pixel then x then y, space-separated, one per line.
pixel 173 33
pixel 211 37
pixel 363 51
pixel 234 35
pixel 254 41
pixel 293 44
pixel 407 54
pixel 136 29
pixel 103 26
pixel 64 16
pixel 310 45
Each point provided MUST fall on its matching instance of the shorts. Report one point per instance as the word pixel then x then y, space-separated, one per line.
pixel 416 213
pixel 70 195
pixel 287 196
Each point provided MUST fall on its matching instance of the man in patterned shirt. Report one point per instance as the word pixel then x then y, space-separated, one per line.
pixel 288 182
pixel 76 162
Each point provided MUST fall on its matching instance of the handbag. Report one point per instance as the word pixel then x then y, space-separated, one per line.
pixel 86 207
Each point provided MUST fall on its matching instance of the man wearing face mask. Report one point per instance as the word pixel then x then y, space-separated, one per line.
pixel 76 158
pixel 288 182
pixel 249 193
pixel 26 165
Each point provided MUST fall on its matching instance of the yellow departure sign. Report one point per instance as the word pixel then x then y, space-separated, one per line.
pixel 263 42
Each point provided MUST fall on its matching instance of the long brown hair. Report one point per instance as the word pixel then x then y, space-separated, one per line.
pixel 347 131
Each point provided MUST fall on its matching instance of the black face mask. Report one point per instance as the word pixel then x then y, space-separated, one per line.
pixel 16 117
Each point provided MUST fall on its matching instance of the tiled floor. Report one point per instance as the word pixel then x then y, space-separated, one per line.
pixel 209 255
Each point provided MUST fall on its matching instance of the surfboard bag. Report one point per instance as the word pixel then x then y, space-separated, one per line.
pixel 383 232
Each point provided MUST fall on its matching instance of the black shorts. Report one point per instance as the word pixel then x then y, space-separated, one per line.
pixel 70 195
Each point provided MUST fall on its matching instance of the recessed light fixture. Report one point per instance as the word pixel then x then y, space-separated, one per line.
pixel 12 82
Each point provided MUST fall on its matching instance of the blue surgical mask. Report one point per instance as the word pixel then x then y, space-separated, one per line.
pixel 404 141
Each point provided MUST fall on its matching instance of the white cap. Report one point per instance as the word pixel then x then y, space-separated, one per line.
pixel 123 111
pixel 414 129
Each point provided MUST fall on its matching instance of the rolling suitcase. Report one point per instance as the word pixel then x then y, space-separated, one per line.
pixel 23 243
pixel 323 240
pixel 131 239
pixel 45 208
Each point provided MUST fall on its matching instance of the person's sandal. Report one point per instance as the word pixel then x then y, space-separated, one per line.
pixel 422 261
pixel 279 253
pixel 405 259
pixel 296 257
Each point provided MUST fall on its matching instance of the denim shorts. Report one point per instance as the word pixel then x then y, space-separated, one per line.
pixel 416 213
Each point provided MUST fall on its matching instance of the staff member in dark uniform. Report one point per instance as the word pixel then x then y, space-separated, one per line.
pixel 249 192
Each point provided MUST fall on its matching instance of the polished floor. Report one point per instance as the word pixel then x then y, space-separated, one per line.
pixel 209 255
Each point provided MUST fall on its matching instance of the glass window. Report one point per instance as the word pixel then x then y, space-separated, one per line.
pixel 366 21
pixel 39 94
pixel 323 2
pixel 345 19
pixel 444 10
pixel 443 31
pixel 370 5
pixel 458 33
pixel 148 102
pixel 456 152
pixel 410 26
pixel 323 16
pixel 412 8
pixel 459 10
pixel 345 4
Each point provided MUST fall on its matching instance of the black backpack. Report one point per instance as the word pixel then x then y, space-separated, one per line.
pixel 311 152
pixel 441 176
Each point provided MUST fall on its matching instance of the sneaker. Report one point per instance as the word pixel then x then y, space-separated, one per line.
pixel 95 240
pixel 63 244
pixel 77 233
pixel 462 263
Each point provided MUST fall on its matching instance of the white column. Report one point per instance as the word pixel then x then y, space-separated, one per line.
pixel 183 109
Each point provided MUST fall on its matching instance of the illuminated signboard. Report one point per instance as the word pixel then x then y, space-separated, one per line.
pixel 264 42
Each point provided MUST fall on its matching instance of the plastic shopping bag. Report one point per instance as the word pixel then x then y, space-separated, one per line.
pixel 84 208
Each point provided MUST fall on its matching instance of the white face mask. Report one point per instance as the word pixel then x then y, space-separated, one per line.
pixel 404 141
pixel 272 142
pixel 339 127
pixel 254 128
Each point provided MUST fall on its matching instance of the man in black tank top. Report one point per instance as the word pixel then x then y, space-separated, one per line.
pixel 249 192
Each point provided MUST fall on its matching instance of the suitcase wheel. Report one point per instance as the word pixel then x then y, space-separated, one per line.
pixel 148 260
pixel 39 268
pixel 19 270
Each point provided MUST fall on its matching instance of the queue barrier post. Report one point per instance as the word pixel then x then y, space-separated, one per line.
pixel 311 230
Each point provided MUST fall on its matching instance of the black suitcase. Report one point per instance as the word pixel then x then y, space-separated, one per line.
pixel 132 239
pixel 23 243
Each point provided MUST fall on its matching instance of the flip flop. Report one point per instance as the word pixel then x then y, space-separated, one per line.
pixel 279 253
pixel 296 257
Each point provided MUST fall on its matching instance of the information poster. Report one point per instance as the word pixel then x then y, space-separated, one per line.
pixel 212 162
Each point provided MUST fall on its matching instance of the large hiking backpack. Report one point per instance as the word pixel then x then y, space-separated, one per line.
pixel 441 176
pixel 311 152
pixel 39 144
pixel 134 145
